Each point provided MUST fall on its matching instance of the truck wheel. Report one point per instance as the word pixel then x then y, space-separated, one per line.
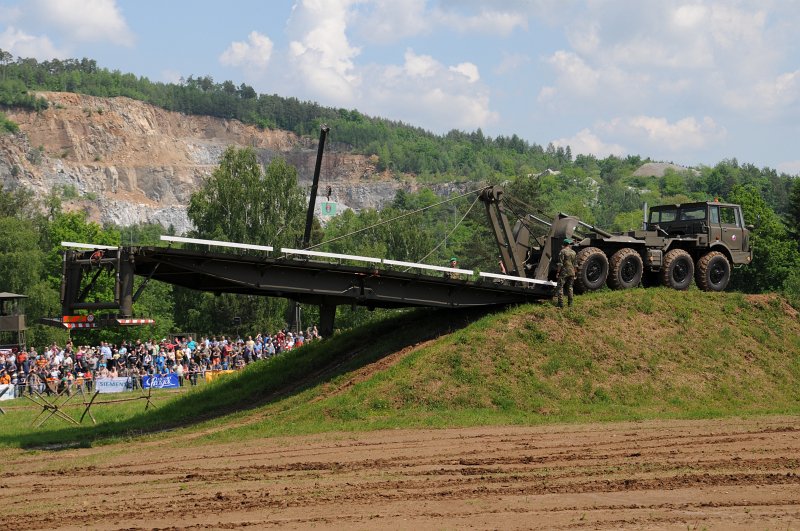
pixel 591 269
pixel 625 269
pixel 713 272
pixel 677 270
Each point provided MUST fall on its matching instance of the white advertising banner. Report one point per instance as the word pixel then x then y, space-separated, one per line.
pixel 111 385
pixel 6 392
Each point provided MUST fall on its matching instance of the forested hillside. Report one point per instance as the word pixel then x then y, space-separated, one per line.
pixel 606 192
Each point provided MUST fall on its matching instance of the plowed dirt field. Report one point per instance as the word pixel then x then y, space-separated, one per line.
pixel 714 474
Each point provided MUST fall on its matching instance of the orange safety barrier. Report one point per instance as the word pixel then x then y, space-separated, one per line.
pixel 211 375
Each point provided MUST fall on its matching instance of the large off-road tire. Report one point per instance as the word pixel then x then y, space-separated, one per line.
pixel 678 269
pixel 591 269
pixel 713 272
pixel 625 269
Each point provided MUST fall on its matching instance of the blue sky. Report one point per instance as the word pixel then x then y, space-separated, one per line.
pixel 692 82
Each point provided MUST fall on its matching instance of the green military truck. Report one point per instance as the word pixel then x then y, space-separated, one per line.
pixel 677 243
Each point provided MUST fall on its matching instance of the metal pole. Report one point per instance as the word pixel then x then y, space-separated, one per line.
pixel 323 132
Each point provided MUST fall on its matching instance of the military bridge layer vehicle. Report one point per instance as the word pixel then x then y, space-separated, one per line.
pixel 678 243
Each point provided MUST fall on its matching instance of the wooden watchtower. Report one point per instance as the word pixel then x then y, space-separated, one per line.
pixel 12 321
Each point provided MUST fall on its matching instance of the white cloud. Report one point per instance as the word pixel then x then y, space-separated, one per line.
pixel 427 93
pixel 677 58
pixel 420 65
pixel 585 142
pixel 468 70
pixel 21 44
pixel 709 34
pixel 487 21
pixel 769 95
pixel 735 28
pixel 320 50
pixel 385 21
pixel 171 76
pixel 256 52
pixel 574 74
pixel 689 16
pixel 792 167
pixel 321 64
pixel 9 15
pixel 85 20
pixel 546 93
pixel 436 106
pixel 658 133
pixel 511 62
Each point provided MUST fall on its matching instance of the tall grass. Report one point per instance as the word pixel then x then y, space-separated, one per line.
pixel 615 356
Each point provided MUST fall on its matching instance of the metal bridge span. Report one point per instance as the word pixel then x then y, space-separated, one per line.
pixel 299 275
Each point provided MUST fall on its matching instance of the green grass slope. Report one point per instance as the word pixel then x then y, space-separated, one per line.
pixel 635 354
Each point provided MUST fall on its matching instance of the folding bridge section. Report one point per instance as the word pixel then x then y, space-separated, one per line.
pixel 303 279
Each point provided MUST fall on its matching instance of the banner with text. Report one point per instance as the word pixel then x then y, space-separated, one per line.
pixel 111 385
pixel 166 381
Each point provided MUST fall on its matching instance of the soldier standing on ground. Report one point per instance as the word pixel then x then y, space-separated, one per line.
pixel 565 272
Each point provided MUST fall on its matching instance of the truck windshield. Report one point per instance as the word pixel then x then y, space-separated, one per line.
pixel 693 213
pixel 663 215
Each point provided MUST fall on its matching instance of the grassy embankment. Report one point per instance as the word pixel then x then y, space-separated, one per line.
pixel 628 355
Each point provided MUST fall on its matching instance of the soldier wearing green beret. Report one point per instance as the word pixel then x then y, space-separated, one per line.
pixel 454 264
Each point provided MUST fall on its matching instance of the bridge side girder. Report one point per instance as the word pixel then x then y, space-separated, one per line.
pixel 305 281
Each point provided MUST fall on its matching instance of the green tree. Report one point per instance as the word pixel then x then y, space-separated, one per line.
pixel 5 58
pixel 672 183
pixel 722 178
pixel 625 221
pixel 240 202
pixel 793 216
pixel 21 259
pixel 775 254
pixel 22 270
pixel 791 288
pixel 16 203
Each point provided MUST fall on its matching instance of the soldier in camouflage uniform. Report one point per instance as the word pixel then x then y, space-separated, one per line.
pixel 565 272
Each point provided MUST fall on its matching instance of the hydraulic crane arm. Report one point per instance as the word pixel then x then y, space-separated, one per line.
pixel 517 254
pixel 513 246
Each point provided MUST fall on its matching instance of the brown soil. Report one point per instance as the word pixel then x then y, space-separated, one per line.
pixel 717 474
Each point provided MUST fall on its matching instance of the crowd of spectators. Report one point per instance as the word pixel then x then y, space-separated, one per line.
pixel 56 369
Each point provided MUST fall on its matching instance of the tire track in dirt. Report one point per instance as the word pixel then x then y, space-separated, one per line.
pixel 652 474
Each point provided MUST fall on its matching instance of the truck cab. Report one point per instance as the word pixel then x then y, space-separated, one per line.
pixel 714 223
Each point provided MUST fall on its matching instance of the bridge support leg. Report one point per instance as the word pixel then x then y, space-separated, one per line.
pixel 293 316
pixel 327 315
pixel 70 283
pixel 125 286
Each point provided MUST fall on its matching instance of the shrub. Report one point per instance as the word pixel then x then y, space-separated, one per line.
pixel 791 288
pixel 8 126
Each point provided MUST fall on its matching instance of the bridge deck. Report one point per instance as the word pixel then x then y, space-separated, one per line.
pixel 314 282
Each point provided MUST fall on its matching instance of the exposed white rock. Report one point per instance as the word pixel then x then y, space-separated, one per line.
pixel 130 162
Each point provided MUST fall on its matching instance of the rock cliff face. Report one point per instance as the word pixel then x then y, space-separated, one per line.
pixel 130 162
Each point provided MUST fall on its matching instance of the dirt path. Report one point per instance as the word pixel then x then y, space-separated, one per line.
pixel 719 474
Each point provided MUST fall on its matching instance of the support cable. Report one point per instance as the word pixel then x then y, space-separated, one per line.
pixel 448 234
pixel 395 218
pixel 527 206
